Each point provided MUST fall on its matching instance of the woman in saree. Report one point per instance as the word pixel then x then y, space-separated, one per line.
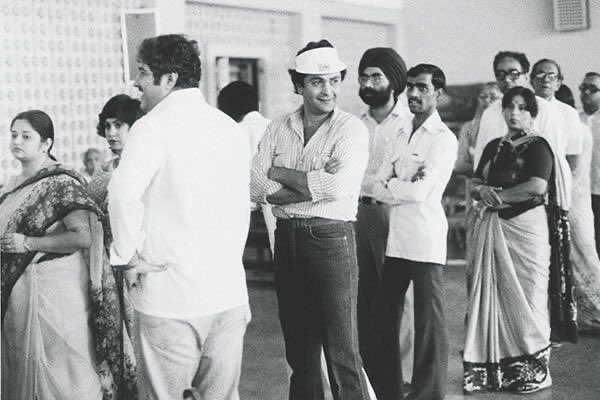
pixel 61 318
pixel 519 256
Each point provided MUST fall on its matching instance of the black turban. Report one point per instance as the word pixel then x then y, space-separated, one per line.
pixel 390 62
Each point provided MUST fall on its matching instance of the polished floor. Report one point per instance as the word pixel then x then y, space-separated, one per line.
pixel 575 368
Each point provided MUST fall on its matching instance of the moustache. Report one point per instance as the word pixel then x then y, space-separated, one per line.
pixel 415 100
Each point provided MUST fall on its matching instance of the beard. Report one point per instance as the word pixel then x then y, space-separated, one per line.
pixel 375 98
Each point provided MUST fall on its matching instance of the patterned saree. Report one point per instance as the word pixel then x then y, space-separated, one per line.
pixel 516 268
pixel 62 328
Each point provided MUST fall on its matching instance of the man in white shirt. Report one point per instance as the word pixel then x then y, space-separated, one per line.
pixel 413 180
pixel 239 100
pixel 511 69
pixel 191 313
pixel 590 99
pixel 315 204
pixel 546 78
pixel 382 78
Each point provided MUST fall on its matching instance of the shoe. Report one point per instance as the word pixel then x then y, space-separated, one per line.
pixel 529 387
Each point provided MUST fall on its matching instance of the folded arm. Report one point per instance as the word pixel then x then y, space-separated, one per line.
pixel 439 163
pixel 261 186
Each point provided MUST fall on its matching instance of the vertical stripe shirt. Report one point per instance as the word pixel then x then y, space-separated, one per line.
pixel 381 136
pixel 335 196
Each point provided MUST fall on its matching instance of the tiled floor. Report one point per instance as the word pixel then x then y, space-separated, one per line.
pixel 575 368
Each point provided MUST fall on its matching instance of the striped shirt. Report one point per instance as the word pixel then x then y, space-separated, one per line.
pixel 334 196
pixel 382 136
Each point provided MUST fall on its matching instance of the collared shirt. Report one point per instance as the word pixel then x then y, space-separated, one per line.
pixel 418 225
pixel 255 126
pixel 335 196
pixel 593 122
pixel 381 136
pixel 162 204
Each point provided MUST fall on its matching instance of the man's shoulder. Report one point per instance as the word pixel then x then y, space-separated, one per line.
pixel 343 118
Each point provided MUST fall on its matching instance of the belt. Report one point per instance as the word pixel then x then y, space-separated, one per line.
pixel 369 200
pixel 306 222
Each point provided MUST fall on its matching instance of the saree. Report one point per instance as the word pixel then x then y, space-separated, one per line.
pixel 61 321
pixel 519 282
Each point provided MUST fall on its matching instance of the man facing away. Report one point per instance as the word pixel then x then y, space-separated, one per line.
pixel 382 78
pixel 315 204
pixel 191 313
pixel 239 100
pixel 590 99
pixel 413 179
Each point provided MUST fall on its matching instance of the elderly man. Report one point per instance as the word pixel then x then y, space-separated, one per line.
pixel 382 78
pixel 191 314
pixel 546 79
pixel 309 165
pixel 590 99
pixel 413 178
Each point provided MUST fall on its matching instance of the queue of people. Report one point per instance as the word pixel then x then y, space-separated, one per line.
pixel 150 249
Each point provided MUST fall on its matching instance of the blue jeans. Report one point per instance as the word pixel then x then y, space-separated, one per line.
pixel 317 283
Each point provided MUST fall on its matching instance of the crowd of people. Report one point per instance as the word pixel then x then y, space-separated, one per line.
pixel 128 283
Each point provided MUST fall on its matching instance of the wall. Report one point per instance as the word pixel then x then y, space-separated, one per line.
pixel 342 33
pixel 462 36
pixel 63 57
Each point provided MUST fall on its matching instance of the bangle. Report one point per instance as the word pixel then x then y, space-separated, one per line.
pixel 25 245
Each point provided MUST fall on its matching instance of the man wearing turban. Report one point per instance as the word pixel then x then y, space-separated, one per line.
pixel 382 78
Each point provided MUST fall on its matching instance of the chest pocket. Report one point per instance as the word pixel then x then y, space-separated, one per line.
pixel 281 155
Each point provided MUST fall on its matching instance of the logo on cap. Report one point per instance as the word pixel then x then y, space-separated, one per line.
pixel 324 67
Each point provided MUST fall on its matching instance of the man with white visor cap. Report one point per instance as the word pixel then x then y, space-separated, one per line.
pixel 310 166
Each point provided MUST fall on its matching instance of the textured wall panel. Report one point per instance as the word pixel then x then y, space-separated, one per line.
pixel 63 57
pixel 352 38
pixel 218 25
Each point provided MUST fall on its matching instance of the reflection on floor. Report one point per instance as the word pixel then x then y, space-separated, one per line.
pixel 575 368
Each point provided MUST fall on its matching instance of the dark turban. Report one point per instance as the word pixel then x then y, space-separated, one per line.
pixel 390 62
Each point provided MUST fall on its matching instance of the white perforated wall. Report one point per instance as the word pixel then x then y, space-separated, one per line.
pixel 352 38
pixel 230 26
pixel 63 57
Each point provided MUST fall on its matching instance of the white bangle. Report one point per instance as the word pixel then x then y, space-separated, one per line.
pixel 25 245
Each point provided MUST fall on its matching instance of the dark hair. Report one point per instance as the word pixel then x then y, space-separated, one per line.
pixel 172 53
pixel 438 79
pixel 546 60
pixel 520 57
pixel 526 94
pixel 41 123
pixel 121 107
pixel 565 95
pixel 591 74
pixel 298 77
pixel 237 99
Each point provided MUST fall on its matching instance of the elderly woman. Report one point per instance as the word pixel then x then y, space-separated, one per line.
pixel 513 263
pixel 487 94
pixel 52 285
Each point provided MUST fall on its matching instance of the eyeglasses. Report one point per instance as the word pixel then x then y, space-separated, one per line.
pixel 593 89
pixel 375 79
pixel 552 76
pixel 512 74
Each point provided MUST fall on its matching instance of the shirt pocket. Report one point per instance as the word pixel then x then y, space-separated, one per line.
pixel 281 155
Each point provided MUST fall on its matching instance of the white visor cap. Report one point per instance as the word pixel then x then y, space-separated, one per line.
pixel 323 60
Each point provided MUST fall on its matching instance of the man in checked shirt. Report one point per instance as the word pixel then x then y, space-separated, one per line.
pixel 310 165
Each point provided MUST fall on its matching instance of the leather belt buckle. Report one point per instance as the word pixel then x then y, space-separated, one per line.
pixel 368 200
